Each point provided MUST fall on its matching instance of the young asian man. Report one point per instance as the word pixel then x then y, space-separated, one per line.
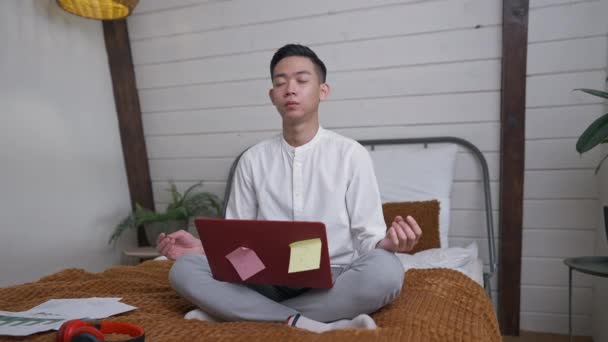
pixel 307 173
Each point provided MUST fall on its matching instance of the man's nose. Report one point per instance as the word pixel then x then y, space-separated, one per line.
pixel 291 88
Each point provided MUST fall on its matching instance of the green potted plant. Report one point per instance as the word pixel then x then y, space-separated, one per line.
pixel 176 216
pixel 597 132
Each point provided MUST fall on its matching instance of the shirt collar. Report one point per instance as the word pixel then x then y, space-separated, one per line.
pixel 293 150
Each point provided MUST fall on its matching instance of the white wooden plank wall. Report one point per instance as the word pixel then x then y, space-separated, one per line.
pixel 567 49
pixel 397 69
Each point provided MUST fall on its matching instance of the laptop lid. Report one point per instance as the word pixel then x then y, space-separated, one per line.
pixel 283 253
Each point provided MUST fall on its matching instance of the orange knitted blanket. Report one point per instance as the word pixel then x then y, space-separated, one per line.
pixel 435 305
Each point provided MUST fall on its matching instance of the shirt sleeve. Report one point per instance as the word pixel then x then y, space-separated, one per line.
pixel 242 203
pixel 363 203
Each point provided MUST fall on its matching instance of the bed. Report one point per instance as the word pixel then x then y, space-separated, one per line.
pixel 446 294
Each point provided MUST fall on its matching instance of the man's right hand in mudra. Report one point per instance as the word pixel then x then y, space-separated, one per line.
pixel 178 243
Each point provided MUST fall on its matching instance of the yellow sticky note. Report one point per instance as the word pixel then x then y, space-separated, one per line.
pixel 305 255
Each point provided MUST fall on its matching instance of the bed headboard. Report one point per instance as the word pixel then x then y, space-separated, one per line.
pixel 425 141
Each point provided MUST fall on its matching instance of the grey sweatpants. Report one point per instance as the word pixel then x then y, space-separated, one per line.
pixel 370 282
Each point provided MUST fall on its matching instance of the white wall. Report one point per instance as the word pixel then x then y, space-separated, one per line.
pixel 398 68
pixel 600 285
pixel 62 172
pixel 567 50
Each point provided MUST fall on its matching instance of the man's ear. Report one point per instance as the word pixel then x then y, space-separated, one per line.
pixel 324 91
pixel 270 95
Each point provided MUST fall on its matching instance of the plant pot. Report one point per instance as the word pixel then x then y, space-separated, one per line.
pixel 155 228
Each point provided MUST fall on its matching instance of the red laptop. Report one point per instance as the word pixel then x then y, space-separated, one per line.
pixel 282 253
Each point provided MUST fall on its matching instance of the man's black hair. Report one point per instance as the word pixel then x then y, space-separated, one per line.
pixel 290 50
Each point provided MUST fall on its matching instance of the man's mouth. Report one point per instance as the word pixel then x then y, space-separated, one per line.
pixel 291 104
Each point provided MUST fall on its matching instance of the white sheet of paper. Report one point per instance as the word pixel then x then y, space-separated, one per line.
pixel 52 313
pixel 91 308
pixel 21 324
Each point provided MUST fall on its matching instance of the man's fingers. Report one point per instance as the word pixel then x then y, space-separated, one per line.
pixel 182 237
pixel 392 235
pixel 411 244
pixel 415 226
pixel 401 235
pixel 407 230
pixel 175 234
pixel 171 255
pixel 404 233
pixel 159 238
pixel 165 250
pixel 166 247
pixel 161 243
pixel 410 233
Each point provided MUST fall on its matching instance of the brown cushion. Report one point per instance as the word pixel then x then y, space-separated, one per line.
pixel 426 213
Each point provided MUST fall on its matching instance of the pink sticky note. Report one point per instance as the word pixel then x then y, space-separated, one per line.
pixel 246 262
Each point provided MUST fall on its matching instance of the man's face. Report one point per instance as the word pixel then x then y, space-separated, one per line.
pixel 296 89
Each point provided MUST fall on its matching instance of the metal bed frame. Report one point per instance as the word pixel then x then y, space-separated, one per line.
pixel 487 275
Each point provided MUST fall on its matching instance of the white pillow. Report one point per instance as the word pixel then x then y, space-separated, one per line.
pixel 452 257
pixel 418 173
pixel 462 259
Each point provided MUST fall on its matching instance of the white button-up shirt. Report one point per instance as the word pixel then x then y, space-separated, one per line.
pixel 329 179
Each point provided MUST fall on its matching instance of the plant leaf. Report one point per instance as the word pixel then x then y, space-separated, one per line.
pixel 127 223
pixel 182 207
pixel 595 134
pixel 203 204
pixel 175 195
pixel 594 92
pixel 187 192
pixel 597 169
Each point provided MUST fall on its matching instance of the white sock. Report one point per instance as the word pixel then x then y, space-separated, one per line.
pixel 200 315
pixel 360 322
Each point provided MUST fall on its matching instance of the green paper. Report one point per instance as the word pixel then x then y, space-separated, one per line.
pixel 305 255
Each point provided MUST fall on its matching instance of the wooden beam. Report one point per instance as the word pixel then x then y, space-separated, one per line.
pixel 513 118
pixel 118 48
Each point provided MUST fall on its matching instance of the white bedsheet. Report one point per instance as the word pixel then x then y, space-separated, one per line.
pixel 474 270
pixel 463 259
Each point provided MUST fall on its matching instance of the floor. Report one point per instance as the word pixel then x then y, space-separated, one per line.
pixel 526 336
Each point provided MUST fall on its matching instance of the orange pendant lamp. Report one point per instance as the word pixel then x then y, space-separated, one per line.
pixel 99 9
